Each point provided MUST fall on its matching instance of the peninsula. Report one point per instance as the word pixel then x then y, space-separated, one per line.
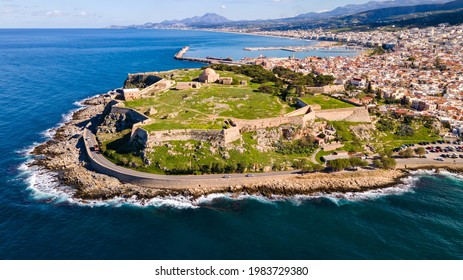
pixel 260 128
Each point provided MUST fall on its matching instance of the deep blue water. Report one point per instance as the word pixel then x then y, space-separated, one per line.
pixel 43 72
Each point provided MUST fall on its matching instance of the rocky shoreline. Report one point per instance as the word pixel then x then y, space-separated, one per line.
pixel 64 154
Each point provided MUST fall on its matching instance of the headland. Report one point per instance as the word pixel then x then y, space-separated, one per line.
pixel 111 149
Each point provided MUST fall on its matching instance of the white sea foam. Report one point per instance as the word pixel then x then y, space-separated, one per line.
pixel 65 118
pixel 45 186
pixel 212 198
pixel 81 104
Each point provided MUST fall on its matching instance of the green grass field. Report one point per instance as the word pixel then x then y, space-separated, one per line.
pixel 326 102
pixel 207 107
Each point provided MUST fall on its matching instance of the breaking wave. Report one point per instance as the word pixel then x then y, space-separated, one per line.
pixel 44 186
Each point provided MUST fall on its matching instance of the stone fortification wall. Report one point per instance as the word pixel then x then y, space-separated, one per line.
pixel 358 114
pixel 252 125
pixel 132 114
pixel 300 112
pixel 147 139
pixel 118 118
pixel 157 137
pixel 301 104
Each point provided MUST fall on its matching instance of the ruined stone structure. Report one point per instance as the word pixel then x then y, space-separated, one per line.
pixel 131 94
pixel 187 85
pixel 119 118
pixel 226 80
pixel 209 76
pixel 158 87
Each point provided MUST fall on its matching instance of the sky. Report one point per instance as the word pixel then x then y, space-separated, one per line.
pixel 102 13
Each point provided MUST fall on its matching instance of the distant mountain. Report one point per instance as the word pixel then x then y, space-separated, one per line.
pixel 373 13
pixel 209 18
pixel 372 5
pixel 418 16
pixel 401 13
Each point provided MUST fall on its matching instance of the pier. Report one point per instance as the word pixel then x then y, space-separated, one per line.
pixel 209 60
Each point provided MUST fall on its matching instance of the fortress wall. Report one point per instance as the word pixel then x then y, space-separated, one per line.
pixel 301 104
pixel 133 114
pixel 299 112
pixel 251 125
pixel 157 137
pixel 308 118
pixel 358 114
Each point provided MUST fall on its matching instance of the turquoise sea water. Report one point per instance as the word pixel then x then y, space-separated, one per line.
pixel 42 74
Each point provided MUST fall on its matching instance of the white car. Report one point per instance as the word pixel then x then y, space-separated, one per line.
pixel 440 159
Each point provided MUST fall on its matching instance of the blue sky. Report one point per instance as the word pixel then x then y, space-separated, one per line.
pixel 102 13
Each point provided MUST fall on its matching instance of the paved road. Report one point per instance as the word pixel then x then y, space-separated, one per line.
pixel 90 141
pixel 314 155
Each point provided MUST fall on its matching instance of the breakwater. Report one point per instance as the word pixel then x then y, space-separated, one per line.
pixel 209 60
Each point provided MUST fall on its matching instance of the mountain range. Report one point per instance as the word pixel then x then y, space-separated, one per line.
pixel 371 13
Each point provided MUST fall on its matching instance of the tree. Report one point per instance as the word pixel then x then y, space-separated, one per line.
pixel 386 153
pixel 407 153
pixel 266 89
pixel 385 125
pixel 339 164
pixel 357 162
pixel 388 163
pixel 378 163
pixel 420 151
pixel 405 130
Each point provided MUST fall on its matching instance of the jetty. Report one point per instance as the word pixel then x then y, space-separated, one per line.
pixel 209 60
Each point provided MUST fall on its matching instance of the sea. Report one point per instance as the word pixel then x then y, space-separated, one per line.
pixel 44 73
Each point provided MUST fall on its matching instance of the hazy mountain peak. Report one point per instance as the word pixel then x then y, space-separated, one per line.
pixel 372 5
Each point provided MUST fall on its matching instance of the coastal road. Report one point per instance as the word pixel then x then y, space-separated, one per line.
pixel 123 173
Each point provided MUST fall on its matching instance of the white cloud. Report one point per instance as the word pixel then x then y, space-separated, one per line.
pixel 54 13
pixel 223 6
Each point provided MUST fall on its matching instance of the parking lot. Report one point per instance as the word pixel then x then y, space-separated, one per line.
pixel 439 152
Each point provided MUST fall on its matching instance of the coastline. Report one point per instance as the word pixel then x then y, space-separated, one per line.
pixel 64 155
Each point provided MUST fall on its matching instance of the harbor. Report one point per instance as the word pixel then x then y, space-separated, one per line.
pixel 306 48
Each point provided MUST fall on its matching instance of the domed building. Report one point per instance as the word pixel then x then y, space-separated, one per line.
pixel 209 76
